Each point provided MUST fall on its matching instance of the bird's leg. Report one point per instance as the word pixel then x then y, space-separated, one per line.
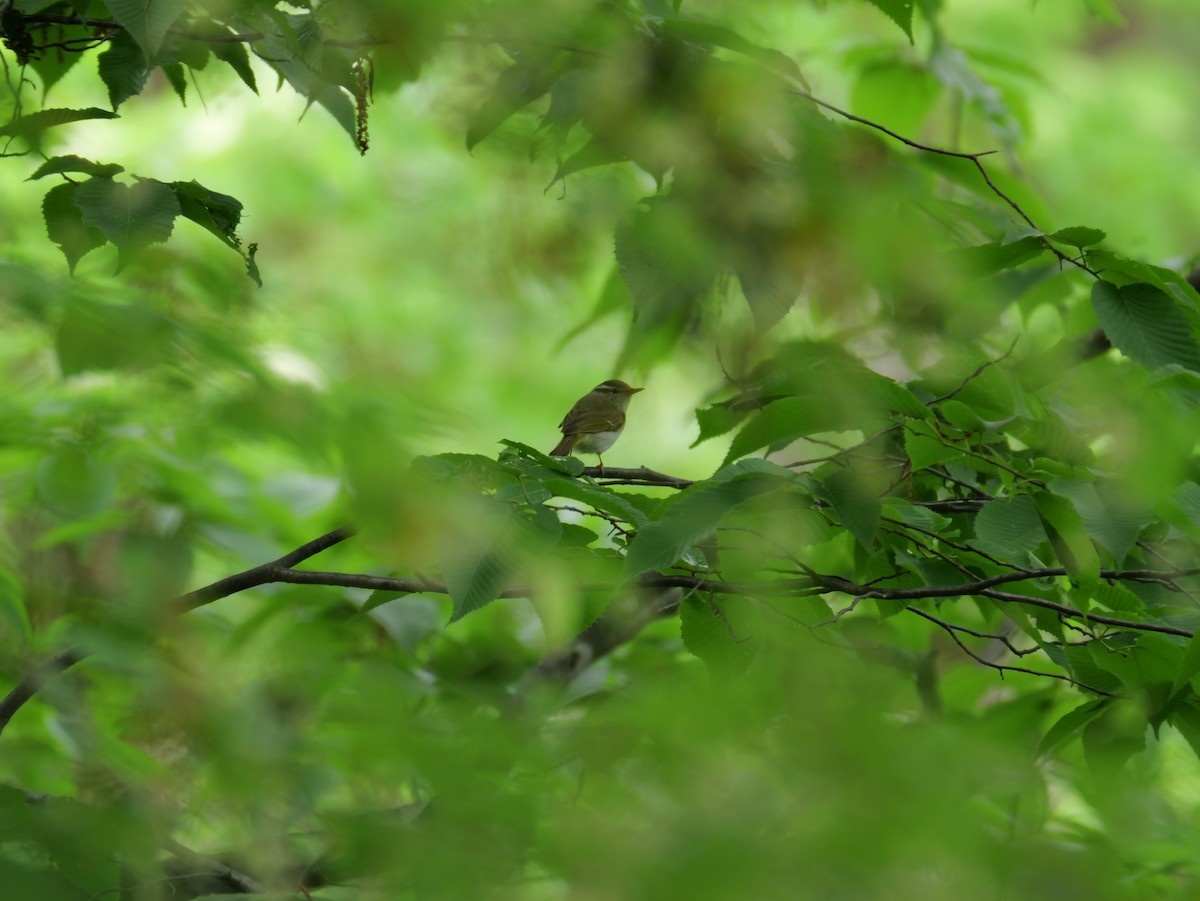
pixel 601 467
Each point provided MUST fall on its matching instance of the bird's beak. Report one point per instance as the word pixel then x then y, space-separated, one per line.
pixel 634 390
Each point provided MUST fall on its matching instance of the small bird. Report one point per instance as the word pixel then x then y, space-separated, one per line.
pixel 596 421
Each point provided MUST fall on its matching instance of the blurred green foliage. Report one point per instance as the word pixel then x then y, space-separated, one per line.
pixel 911 616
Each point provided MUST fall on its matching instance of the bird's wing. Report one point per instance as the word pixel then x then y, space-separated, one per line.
pixel 583 422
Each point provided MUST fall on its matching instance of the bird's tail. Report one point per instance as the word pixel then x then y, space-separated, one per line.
pixel 564 447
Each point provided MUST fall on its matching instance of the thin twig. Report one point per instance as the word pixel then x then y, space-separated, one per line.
pixel 1001 667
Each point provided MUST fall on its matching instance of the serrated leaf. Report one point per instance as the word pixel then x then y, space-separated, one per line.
pixel 687 518
pixel 234 54
pixel 925 447
pixel 65 225
pixel 1010 527
pixel 475 572
pixel 147 21
pixel 665 258
pixel 1147 668
pixel 1111 522
pixel 1146 324
pixel 1118 598
pixel 1079 661
pixel 35 123
pixel 754 466
pixel 51 67
pixel 516 87
pixel 1069 538
pixel 593 153
pixel 379 597
pixel 1186 499
pixel 70 163
pixel 771 289
pixel 1070 724
pixel 988 259
pixel 613 296
pixel 717 36
pixel 602 499
pixel 123 69
pixel 177 79
pixel 899 11
pixel 1189 665
pixel 134 217
pixel 215 212
pixel 784 421
pixel 857 509
pixel 1186 718
pixel 717 420
pixel 1078 236
pixel 569 465
pixel 709 632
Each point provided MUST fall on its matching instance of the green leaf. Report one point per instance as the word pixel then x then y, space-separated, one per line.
pixel 717 36
pixel 1148 668
pixel 667 260
pixel 1010 527
pixel 899 11
pixel 217 213
pixel 52 66
pixel 1079 661
pixel 234 54
pixel 147 21
pixel 593 153
pixel 134 217
pixel 784 421
pixel 613 296
pixel 710 632
pixel 379 597
pixel 516 87
pixel 71 163
pixel 856 507
pixel 35 123
pixel 568 465
pixel 1186 718
pixel 925 447
pixel 1118 598
pixel 476 571
pixel 603 499
pixel 177 78
pixel 988 259
pixel 717 420
pixel 688 517
pixel 1146 325
pixel 1070 724
pixel 1189 665
pixel 123 69
pixel 1069 538
pixel 1078 236
pixel 896 93
pixel 1112 738
pixel 1112 521
pixel 65 225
